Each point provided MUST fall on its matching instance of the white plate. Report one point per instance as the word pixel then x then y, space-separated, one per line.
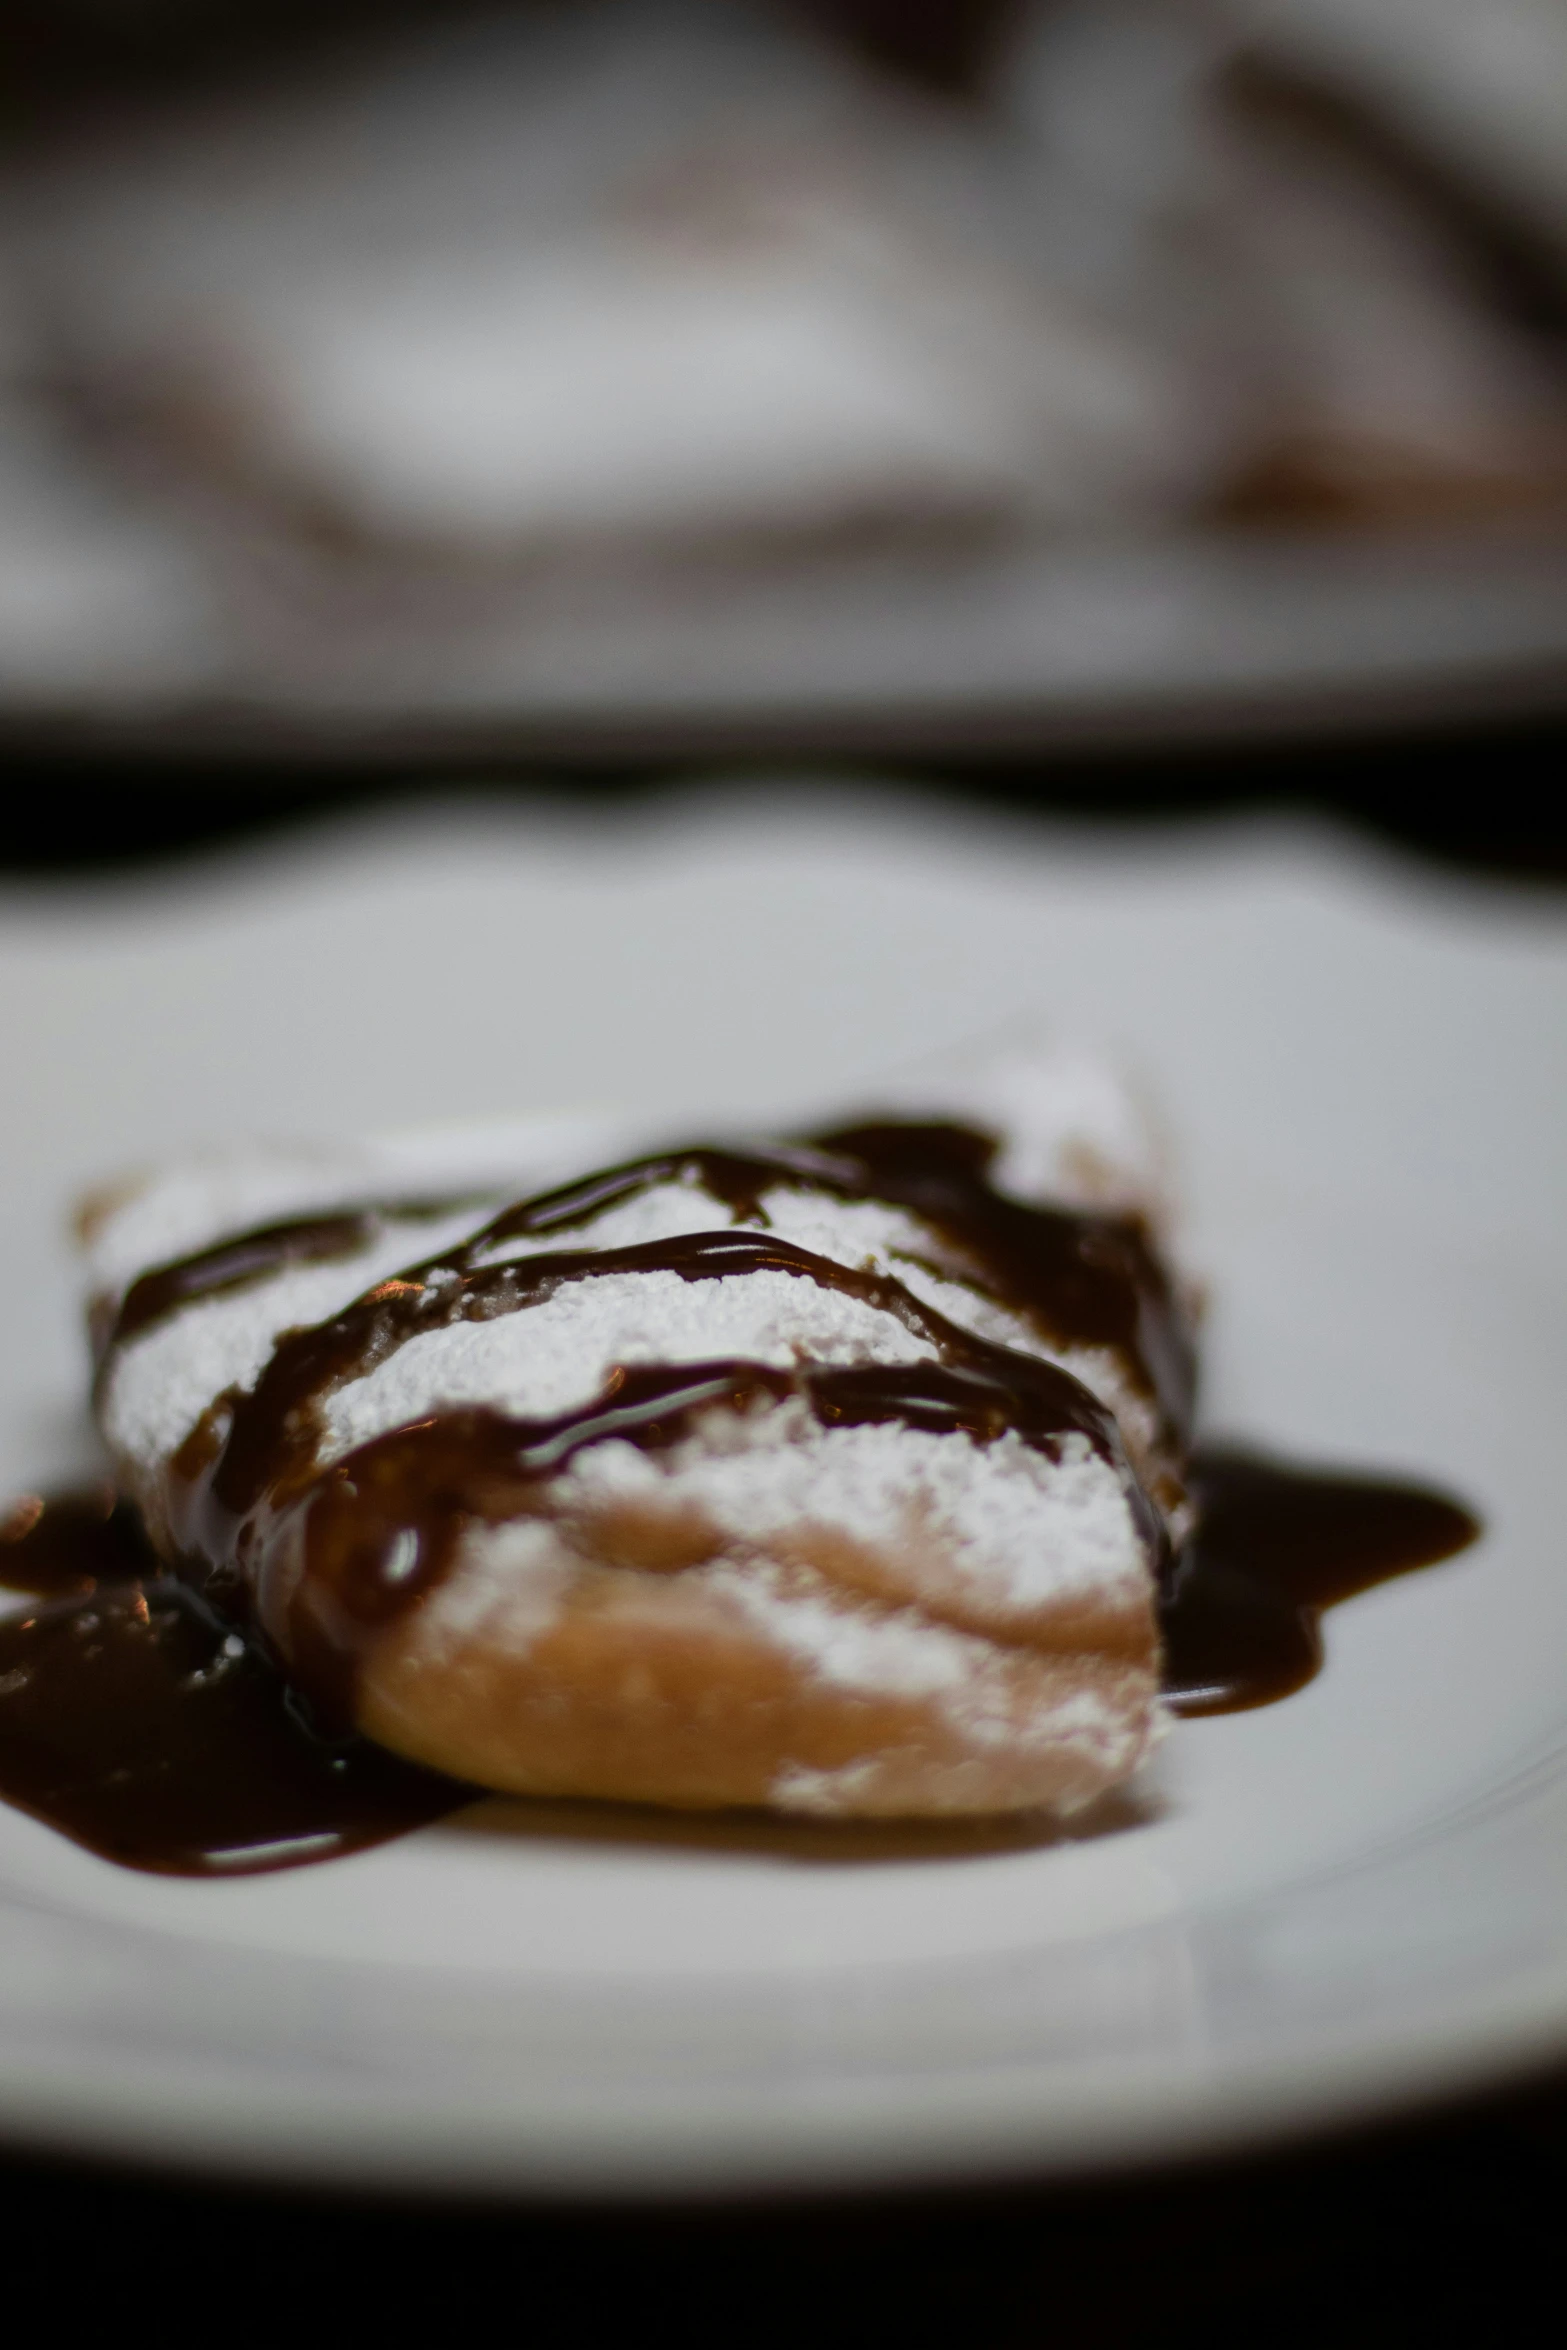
pixel 1320 1909
pixel 1070 643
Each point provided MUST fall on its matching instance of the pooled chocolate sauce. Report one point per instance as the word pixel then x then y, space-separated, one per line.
pixel 64 1548
pixel 142 1712
pixel 1275 1545
pixel 135 1720
pixel 138 1722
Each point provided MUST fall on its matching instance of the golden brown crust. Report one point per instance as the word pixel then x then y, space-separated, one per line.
pixel 667 1687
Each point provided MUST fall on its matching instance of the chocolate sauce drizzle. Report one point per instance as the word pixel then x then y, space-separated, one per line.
pixel 249 1503
pixel 142 1711
pixel 1083 1278
pixel 241 1260
pixel 238 1513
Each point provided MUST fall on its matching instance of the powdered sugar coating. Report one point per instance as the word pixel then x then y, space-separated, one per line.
pixel 556 1355
pixel 159 1385
pixel 145 1220
pixel 1071 1128
pixel 948 1568
pixel 1015 1531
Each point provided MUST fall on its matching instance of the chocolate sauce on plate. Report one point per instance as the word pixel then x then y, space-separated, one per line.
pixel 142 1712
pixel 128 1720
pixel 138 1722
pixel 1275 1546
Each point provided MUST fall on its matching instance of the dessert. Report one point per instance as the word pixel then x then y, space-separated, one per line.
pixel 844 1475
pixel 827 1475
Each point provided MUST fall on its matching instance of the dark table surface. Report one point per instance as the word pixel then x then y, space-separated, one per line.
pixel 1432 2225
pixel 1486 797
pixel 1448 2226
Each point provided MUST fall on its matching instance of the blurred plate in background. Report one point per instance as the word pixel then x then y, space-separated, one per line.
pixel 1131 644
pixel 648 376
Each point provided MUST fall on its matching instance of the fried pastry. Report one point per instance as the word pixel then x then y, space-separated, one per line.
pixel 833 1474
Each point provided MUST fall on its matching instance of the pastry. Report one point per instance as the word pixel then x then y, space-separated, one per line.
pixel 833 1475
